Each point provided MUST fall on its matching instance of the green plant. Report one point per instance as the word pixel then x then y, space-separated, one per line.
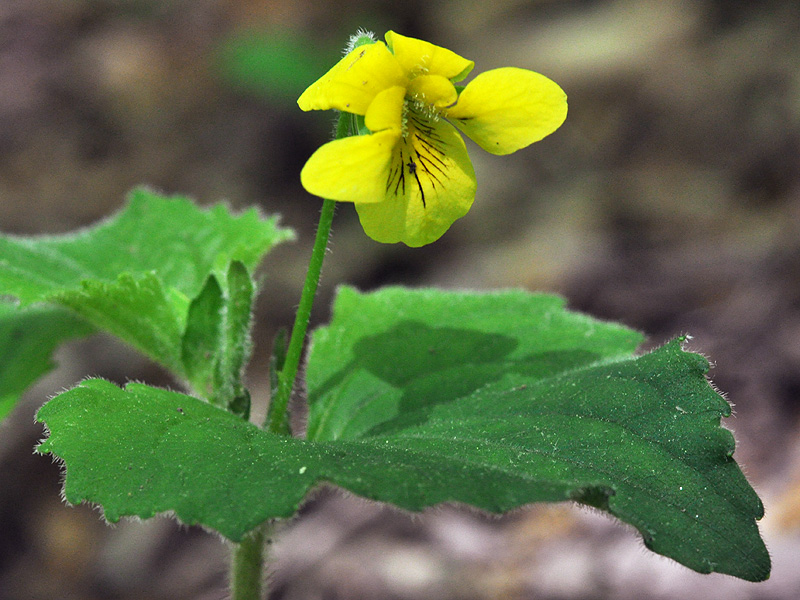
pixel 415 397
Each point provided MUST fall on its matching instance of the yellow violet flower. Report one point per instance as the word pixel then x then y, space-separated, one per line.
pixel 409 174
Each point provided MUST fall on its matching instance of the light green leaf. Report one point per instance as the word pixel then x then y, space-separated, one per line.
pixel 136 274
pixel 567 418
pixel 217 345
pixel 201 338
pixel 28 338
pixel 235 342
pixel 135 309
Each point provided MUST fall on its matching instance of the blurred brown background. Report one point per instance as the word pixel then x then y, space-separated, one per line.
pixel 670 201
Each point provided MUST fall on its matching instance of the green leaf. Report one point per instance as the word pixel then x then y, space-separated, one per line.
pixel 236 331
pixel 392 352
pixel 236 342
pixel 28 338
pixel 201 338
pixel 136 274
pixel 135 309
pixel 566 417
pixel 217 345
pixel 147 450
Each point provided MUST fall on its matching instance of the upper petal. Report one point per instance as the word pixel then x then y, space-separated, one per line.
pixel 431 183
pixel 421 57
pixel 352 169
pixel 354 81
pixel 506 109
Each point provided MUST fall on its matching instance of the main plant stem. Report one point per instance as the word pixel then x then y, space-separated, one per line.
pixel 278 417
pixel 247 564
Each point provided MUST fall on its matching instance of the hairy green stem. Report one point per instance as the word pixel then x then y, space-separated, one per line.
pixel 278 417
pixel 247 565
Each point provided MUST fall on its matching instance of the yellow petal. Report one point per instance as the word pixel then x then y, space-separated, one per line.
pixel 506 109
pixel 430 184
pixel 386 110
pixel 352 169
pixel 420 57
pixel 354 81
pixel 433 90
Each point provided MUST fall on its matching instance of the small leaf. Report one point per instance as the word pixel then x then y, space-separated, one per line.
pixel 201 338
pixel 137 273
pixel 28 338
pixel 216 344
pixel 235 341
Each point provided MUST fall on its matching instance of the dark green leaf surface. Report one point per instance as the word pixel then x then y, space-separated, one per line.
pixel 567 419
pixel 28 338
pixel 136 274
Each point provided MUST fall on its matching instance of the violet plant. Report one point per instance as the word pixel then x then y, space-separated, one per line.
pixel 414 397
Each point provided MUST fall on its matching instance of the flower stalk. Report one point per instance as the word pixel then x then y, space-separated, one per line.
pixel 278 416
